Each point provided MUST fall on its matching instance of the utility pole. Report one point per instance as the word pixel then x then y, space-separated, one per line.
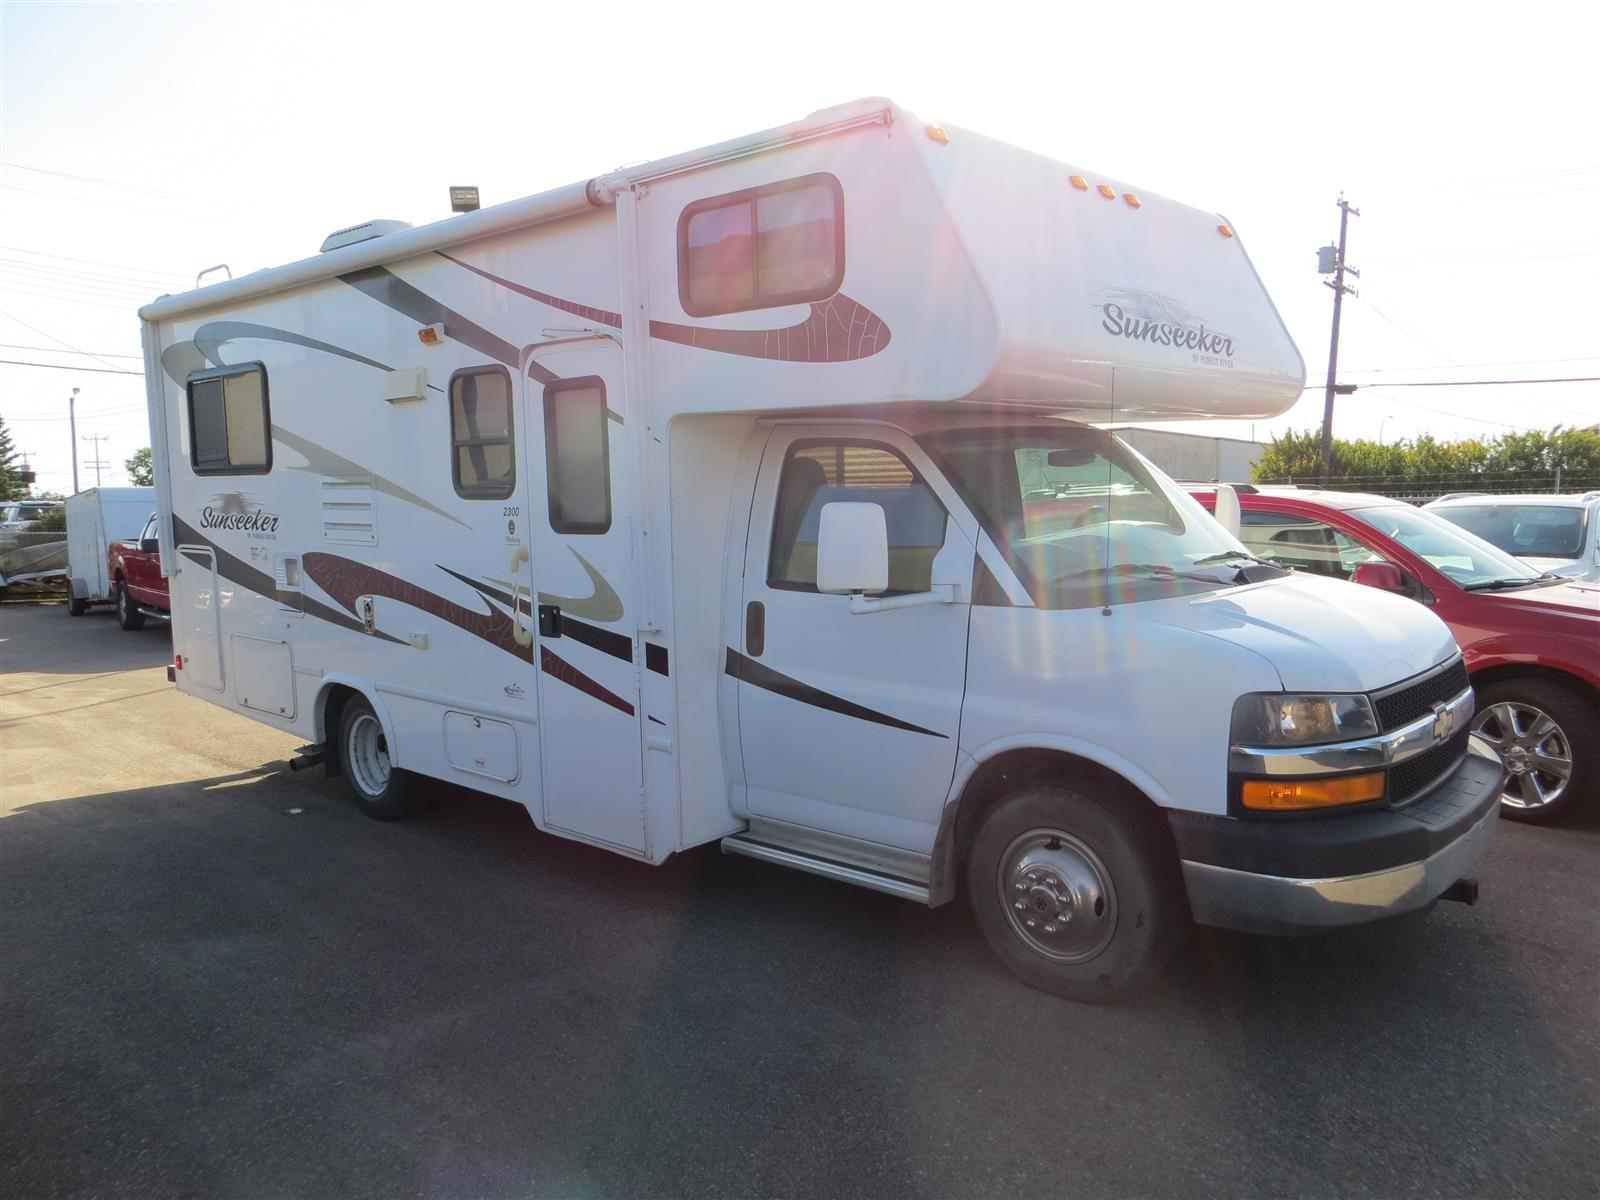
pixel 96 461
pixel 1330 261
pixel 72 427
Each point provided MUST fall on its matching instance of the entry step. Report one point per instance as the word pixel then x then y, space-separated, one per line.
pixel 739 843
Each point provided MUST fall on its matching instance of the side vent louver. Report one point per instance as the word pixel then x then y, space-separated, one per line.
pixel 348 513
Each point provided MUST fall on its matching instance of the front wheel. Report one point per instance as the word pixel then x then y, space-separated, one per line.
pixel 1076 895
pixel 381 790
pixel 128 614
pixel 1540 728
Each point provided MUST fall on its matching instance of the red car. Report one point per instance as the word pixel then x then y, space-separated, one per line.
pixel 137 584
pixel 1531 642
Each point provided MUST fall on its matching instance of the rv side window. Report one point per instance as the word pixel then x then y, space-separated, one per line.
pixel 577 460
pixel 780 244
pixel 817 473
pixel 229 422
pixel 483 459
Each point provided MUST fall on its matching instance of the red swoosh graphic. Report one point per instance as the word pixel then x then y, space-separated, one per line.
pixel 837 330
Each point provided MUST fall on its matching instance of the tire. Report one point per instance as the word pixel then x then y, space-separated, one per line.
pixel 382 792
pixel 76 605
pixel 1123 906
pixel 128 614
pixel 1544 730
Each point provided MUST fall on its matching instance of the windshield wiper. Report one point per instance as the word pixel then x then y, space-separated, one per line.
pixel 1502 585
pixel 1227 554
pixel 1158 570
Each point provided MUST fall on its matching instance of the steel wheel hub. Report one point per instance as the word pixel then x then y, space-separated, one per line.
pixel 1057 895
pixel 368 755
pixel 1535 750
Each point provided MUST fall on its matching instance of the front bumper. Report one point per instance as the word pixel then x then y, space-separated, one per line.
pixel 1324 872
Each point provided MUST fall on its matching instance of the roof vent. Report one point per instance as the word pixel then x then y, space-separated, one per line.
pixel 363 232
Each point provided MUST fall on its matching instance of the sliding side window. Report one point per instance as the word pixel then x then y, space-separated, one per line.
pixel 577 457
pixel 483 457
pixel 759 248
pixel 229 424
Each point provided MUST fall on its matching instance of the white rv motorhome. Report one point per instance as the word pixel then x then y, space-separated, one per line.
pixel 742 497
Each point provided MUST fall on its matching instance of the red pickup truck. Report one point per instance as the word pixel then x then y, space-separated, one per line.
pixel 1531 642
pixel 139 587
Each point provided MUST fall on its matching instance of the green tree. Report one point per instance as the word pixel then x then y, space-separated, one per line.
pixel 1534 461
pixel 11 485
pixel 141 472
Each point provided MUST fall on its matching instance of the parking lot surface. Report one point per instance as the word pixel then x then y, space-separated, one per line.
pixel 217 978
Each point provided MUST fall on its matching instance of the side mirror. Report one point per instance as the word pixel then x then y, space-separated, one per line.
pixel 852 548
pixel 1227 513
pixel 1386 577
pixel 149 545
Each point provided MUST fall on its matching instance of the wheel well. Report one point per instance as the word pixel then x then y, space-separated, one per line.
pixel 1002 775
pixel 1504 671
pixel 334 698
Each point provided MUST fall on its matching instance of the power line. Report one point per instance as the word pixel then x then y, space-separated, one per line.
pixel 1510 362
pixel 111 183
pixel 68 299
pixel 1464 382
pixel 17 362
pixel 160 212
pixel 54 338
pixel 53 350
pixel 95 262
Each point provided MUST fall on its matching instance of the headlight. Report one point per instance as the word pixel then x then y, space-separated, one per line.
pixel 1274 719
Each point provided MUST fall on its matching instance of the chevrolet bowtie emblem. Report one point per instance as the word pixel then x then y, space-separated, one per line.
pixel 1444 721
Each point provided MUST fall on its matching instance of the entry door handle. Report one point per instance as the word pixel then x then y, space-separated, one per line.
pixel 755 628
pixel 549 620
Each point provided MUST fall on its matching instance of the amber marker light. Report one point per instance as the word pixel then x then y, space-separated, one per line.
pixel 1079 182
pixel 1297 795
pixel 1133 201
pixel 1109 192
pixel 1224 231
pixel 430 335
pixel 937 133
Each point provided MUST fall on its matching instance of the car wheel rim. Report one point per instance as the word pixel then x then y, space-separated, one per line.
pixel 1535 749
pixel 367 752
pixel 1057 895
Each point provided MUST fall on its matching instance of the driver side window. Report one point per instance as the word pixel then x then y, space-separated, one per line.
pixel 1303 544
pixel 818 472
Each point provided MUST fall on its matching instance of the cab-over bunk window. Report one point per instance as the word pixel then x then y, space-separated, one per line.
pixel 229 421
pixel 762 247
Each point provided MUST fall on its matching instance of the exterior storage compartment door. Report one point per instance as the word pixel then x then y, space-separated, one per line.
pixel 196 600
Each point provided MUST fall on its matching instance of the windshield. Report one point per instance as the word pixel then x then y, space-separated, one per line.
pixel 1461 556
pixel 1082 519
pixel 1530 530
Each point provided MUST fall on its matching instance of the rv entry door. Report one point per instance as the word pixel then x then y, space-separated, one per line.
pixel 580 494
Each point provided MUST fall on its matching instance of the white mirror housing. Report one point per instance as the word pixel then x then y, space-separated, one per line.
pixel 852 548
pixel 1228 508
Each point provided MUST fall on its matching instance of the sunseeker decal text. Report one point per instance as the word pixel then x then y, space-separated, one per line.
pixel 1208 346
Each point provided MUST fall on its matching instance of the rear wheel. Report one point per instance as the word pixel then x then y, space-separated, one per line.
pixel 381 790
pixel 76 605
pixel 128 614
pixel 1076 895
pixel 1540 728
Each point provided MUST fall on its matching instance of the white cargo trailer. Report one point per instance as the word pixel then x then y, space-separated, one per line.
pixel 96 518
pixel 741 497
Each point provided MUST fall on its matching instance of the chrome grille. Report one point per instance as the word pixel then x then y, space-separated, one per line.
pixel 1417 774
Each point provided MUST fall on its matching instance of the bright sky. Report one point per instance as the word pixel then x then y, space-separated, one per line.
pixel 143 142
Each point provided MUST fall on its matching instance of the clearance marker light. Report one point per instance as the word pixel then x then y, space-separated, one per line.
pixel 430 335
pixel 1224 231
pixel 1133 201
pixel 1109 192
pixel 937 133
pixel 1079 182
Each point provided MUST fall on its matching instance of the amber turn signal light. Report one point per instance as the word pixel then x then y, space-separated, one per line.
pixel 1293 795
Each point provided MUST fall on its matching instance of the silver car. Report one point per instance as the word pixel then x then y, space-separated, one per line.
pixel 1557 534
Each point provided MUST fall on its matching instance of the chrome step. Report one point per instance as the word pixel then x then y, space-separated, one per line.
pixel 904 888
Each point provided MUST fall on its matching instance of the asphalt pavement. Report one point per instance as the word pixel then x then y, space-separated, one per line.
pixel 218 979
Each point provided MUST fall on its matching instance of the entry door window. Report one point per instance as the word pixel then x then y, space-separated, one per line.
pixel 821 472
